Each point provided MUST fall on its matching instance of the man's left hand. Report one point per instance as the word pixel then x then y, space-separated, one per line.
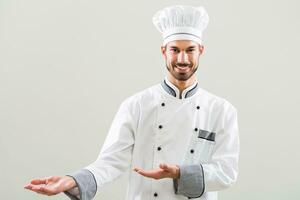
pixel 164 171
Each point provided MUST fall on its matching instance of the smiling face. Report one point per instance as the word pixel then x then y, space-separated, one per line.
pixel 182 58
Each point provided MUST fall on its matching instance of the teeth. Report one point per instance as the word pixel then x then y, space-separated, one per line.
pixel 181 67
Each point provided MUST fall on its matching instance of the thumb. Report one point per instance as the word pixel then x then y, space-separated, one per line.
pixel 164 166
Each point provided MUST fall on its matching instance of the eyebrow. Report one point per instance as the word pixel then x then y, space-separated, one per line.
pixel 190 47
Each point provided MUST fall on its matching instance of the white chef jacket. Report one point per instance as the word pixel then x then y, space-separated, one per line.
pixel 157 125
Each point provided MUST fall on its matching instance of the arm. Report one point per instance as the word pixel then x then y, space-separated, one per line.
pixel 221 171
pixel 114 158
pixel 116 154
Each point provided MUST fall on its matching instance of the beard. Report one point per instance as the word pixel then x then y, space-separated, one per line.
pixel 182 76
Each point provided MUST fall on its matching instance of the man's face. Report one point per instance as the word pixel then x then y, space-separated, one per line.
pixel 182 58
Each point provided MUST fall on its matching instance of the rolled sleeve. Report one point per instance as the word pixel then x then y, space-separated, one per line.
pixel 73 193
pixel 86 185
pixel 191 182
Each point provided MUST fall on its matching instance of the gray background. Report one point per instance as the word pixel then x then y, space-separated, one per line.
pixel 65 67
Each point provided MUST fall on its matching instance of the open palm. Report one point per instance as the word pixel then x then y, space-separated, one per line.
pixel 164 171
pixel 51 185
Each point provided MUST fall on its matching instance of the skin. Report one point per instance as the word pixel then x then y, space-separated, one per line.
pixel 182 59
pixel 51 185
pixel 182 54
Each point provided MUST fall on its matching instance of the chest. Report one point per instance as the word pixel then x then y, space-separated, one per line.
pixel 183 131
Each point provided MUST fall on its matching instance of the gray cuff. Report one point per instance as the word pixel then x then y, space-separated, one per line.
pixel 72 197
pixel 86 184
pixel 191 181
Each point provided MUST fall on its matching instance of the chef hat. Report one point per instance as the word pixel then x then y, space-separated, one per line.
pixel 181 23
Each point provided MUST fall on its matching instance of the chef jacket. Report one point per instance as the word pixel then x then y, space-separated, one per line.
pixel 195 130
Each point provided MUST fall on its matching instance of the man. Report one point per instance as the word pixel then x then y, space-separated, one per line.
pixel 180 141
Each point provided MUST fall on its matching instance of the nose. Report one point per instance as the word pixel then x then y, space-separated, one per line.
pixel 182 57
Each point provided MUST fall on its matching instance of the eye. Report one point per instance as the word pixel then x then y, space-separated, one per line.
pixel 191 50
pixel 174 50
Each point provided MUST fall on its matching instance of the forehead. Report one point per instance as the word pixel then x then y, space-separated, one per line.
pixel 182 44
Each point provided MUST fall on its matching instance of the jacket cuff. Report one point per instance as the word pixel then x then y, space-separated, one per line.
pixel 86 185
pixel 191 182
pixel 73 193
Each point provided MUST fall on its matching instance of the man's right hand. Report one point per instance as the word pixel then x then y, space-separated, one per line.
pixel 51 185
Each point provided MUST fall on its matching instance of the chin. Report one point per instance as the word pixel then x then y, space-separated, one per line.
pixel 184 77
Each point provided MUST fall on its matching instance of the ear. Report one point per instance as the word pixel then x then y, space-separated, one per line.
pixel 201 49
pixel 163 50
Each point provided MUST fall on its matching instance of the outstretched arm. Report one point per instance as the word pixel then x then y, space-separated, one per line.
pixel 113 160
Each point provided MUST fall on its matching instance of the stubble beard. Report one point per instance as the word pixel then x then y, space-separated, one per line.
pixel 181 76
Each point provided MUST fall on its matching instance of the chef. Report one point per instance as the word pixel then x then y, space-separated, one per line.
pixel 177 140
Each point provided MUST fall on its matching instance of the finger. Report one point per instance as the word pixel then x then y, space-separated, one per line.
pixel 40 192
pixel 146 173
pixel 42 189
pixel 140 171
pixel 163 166
pixel 35 188
pixel 28 186
pixel 137 169
pixel 156 173
pixel 49 190
pixel 32 187
pixel 166 168
pixel 39 181
pixel 44 193
pixel 53 178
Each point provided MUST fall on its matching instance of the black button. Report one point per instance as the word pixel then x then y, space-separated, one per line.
pixel 198 107
pixel 163 104
pixel 155 194
pixel 192 150
pixel 158 148
pixel 160 126
pixel 196 129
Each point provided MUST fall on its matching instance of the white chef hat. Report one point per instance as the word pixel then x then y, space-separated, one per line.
pixel 181 23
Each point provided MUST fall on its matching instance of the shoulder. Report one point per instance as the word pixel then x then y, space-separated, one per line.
pixel 217 102
pixel 147 94
pixel 223 112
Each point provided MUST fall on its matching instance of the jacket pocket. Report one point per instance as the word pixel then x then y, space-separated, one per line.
pixel 203 146
pixel 210 136
pixel 200 148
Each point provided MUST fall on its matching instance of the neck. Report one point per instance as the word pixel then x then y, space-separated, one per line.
pixel 182 85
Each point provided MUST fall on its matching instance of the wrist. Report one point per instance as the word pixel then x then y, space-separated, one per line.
pixel 177 176
pixel 70 182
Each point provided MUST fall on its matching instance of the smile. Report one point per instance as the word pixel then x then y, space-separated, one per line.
pixel 182 69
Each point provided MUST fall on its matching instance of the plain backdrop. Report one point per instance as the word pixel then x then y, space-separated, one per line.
pixel 66 65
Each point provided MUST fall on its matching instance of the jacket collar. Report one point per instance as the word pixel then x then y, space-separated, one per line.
pixel 174 91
